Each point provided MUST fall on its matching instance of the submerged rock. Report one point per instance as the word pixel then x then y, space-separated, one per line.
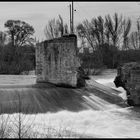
pixel 128 77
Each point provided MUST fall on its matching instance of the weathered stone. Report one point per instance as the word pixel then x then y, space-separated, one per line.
pixel 81 77
pixel 57 61
pixel 128 77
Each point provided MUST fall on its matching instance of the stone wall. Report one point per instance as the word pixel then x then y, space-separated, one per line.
pixel 128 77
pixel 57 61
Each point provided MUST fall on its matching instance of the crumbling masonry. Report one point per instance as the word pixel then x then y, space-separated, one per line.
pixel 57 61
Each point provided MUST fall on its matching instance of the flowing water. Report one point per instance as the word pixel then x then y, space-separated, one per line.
pixel 101 118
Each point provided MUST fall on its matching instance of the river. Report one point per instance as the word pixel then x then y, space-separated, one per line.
pixel 108 121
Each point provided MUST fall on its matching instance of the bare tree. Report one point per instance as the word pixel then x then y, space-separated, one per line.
pixel 85 31
pixel 138 31
pixel 114 27
pixel 51 30
pixel 21 125
pixel 126 30
pixel 56 28
pixel 97 26
pixel 134 40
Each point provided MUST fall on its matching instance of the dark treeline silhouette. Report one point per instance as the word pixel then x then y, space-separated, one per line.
pixel 90 61
pixel 17 51
pixel 24 59
pixel 110 40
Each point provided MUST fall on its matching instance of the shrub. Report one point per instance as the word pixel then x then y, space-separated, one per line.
pixel 23 59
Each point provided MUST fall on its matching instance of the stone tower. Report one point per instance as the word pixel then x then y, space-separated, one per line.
pixel 57 61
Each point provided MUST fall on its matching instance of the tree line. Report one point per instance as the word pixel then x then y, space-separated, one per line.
pixel 108 37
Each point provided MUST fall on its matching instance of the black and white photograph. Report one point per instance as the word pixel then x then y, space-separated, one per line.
pixel 69 69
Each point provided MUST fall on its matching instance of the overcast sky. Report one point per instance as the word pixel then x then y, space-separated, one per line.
pixel 37 14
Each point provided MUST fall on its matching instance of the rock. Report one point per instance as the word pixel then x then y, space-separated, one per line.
pixel 128 77
pixel 81 78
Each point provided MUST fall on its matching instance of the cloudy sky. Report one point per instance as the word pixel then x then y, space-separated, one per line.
pixel 37 14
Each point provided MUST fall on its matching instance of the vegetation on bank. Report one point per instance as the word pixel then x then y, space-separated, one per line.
pixel 90 61
pixel 17 51
pixel 108 38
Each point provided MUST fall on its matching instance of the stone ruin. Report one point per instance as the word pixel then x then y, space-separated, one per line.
pixel 128 77
pixel 57 61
